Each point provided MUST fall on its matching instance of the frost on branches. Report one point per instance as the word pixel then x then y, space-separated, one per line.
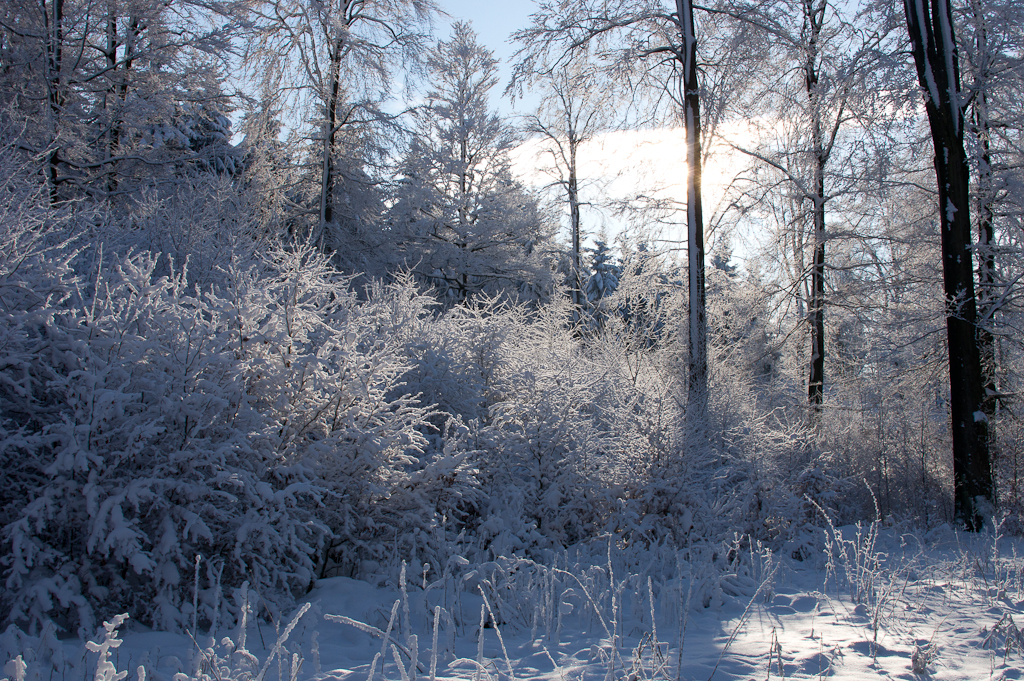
pixel 260 424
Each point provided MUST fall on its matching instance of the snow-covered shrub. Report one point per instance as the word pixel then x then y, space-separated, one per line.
pixel 205 220
pixel 140 458
pixel 465 350
pixel 583 434
pixel 549 460
pixel 395 467
pixel 148 421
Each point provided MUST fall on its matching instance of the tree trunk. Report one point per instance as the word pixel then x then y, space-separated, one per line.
pixel 118 76
pixel 574 221
pixel 111 98
pixel 813 17
pixel 986 230
pixel 330 129
pixel 986 272
pixel 54 20
pixel 931 33
pixel 698 361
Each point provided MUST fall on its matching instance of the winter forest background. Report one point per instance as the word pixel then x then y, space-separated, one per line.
pixel 274 293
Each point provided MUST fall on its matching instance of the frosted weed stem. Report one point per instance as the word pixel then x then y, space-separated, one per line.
pixel 385 636
pixel 195 603
pixel 480 644
pixel 398 661
pixel 433 646
pixel 281 640
pixel 501 640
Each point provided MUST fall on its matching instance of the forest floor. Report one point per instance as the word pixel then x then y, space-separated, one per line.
pixel 886 605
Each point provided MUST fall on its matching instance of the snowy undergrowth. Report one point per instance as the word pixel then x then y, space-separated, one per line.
pixel 879 601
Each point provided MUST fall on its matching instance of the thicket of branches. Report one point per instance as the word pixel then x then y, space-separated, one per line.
pixel 253 311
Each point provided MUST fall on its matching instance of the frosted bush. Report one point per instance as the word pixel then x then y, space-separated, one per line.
pixel 143 460
pixel 148 421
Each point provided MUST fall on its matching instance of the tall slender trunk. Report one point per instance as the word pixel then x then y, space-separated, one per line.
pixel 330 130
pixel 110 97
pixel 986 266
pixel 698 362
pixel 118 75
pixel 53 18
pixel 986 227
pixel 930 24
pixel 813 18
pixel 465 181
pixel 466 217
pixel 574 221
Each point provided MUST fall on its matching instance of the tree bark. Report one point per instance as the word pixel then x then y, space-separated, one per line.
pixel 698 360
pixel 54 22
pixel 574 221
pixel 111 103
pixel 930 25
pixel 330 129
pixel 118 75
pixel 986 271
pixel 813 18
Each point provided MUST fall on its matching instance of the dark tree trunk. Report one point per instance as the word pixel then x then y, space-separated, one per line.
pixel 574 220
pixel 330 130
pixel 930 25
pixel 986 275
pixel 118 75
pixel 813 18
pixel 111 103
pixel 698 361
pixel 816 375
pixel 53 18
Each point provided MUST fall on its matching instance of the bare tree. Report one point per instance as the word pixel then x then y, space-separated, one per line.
pixel 650 44
pixel 989 34
pixel 833 58
pixel 574 108
pixel 930 24
pixel 989 39
pixel 341 56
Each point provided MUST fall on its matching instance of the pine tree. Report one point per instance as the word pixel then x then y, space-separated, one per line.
pixel 463 223
pixel 603 280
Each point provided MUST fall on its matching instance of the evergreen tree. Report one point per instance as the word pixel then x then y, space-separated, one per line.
pixel 463 223
pixel 603 281
pixel 605 274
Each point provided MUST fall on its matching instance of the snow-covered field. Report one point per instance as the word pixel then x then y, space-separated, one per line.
pixel 891 604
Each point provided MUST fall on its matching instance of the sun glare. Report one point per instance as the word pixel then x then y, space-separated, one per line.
pixel 649 165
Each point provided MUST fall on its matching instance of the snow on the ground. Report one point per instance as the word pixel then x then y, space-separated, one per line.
pixel 950 611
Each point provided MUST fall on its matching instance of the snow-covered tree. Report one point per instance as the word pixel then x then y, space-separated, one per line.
pixel 339 59
pixel 604 276
pixel 824 75
pixel 575 107
pixel 462 222
pixel 99 90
